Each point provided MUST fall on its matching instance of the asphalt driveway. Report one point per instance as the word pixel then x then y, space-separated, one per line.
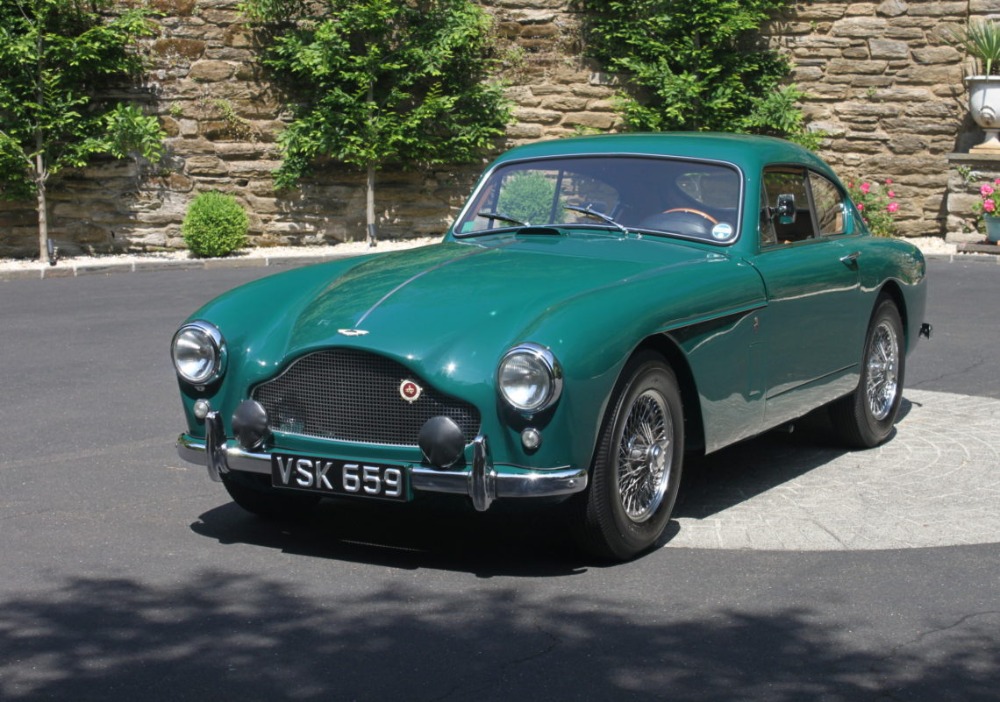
pixel 796 571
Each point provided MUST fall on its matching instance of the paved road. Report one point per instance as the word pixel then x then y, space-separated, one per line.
pixel 126 574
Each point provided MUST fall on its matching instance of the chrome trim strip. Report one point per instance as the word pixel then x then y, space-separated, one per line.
pixel 525 483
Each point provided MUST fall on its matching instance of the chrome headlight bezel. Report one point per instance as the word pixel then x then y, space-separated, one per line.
pixel 206 341
pixel 542 364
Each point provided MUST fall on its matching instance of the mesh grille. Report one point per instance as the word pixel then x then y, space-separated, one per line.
pixel 353 395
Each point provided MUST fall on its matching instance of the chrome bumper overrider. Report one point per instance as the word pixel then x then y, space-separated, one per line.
pixel 481 481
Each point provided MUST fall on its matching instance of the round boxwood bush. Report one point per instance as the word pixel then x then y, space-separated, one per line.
pixel 215 225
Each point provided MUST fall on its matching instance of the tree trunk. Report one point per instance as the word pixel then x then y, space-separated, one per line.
pixel 43 209
pixel 43 224
pixel 370 206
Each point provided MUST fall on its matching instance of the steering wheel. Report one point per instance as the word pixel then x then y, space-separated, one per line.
pixel 688 210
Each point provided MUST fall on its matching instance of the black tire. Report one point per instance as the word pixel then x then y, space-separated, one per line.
pixel 643 430
pixel 254 493
pixel 864 419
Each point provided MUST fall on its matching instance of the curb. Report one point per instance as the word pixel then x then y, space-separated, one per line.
pixel 70 270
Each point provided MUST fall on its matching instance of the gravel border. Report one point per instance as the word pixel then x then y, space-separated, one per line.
pixel 18 269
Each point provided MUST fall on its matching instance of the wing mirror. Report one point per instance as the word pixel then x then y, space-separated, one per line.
pixel 786 211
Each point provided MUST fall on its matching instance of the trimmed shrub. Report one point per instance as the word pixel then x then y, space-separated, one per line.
pixel 215 225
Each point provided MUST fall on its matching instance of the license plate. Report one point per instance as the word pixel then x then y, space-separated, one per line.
pixel 336 477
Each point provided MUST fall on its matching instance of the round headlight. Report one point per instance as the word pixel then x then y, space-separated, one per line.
pixel 198 352
pixel 529 378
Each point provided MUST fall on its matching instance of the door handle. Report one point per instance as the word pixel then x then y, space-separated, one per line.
pixel 851 259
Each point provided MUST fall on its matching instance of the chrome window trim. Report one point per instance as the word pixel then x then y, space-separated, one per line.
pixel 738 227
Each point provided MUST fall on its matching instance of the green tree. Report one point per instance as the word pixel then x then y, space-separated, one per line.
pixel 58 59
pixel 374 82
pixel 697 65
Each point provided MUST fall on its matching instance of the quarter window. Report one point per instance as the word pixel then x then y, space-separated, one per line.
pixel 829 205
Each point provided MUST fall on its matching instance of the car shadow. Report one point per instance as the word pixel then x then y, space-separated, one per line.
pixel 737 473
pixel 514 539
pixel 441 534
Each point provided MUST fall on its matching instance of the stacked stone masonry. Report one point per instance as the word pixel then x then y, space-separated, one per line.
pixel 883 86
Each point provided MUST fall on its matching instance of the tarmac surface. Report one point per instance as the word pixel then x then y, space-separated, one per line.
pixel 936 482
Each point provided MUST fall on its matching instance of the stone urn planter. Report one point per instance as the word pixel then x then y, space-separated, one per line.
pixel 984 106
pixel 992 229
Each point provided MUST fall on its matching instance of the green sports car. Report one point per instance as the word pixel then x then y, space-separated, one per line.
pixel 601 308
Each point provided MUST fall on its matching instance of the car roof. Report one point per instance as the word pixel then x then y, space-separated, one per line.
pixel 749 152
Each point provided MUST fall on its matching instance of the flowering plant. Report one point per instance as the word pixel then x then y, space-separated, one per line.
pixel 877 205
pixel 990 204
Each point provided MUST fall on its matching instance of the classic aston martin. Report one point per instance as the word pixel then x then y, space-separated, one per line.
pixel 601 308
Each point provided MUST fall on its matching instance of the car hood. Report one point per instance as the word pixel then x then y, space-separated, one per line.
pixel 449 311
pixel 423 302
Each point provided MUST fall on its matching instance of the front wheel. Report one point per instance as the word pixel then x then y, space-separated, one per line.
pixel 637 467
pixel 864 419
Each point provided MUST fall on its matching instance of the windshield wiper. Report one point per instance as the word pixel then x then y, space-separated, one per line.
pixel 502 217
pixel 591 212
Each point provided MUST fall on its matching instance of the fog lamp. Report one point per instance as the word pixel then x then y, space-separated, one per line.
pixel 250 425
pixel 441 441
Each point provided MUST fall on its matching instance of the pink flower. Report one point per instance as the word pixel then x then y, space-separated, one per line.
pixel 892 207
pixel 989 205
pixel 996 182
pixel 888 181
pixel 865 187
pixel 891 194
pixel 986 190
pixel 860 206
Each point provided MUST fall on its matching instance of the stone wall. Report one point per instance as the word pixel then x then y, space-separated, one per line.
pixel 882 85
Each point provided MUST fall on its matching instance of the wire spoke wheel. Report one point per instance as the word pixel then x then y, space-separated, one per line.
pixel 644 460
pixel 637 464
pixel 882 387
pixel 865 418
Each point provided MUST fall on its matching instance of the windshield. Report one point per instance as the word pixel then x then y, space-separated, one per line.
pixel 692 199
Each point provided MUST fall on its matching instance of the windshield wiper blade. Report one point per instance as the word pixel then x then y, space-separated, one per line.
pixel 502 217
pixel 591 212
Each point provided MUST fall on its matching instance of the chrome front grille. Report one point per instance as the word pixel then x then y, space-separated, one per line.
pixel 353 395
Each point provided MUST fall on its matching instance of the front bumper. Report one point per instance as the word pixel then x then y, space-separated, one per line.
pixel 481 481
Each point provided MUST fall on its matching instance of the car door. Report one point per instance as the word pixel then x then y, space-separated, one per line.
pixel 811 327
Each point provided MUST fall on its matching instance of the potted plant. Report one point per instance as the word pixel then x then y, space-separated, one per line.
pixel 981 40
pixel 989 208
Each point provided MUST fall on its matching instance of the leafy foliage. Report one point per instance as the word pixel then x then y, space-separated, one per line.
pixel 56 58
pixel 697 65
pixel 877 205
pixel 528 197
pixel 381 80
pixel 215 225
pixel 981 40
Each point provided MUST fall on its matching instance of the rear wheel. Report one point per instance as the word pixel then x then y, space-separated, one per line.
pixel 253 492
pixel 865 418
pixel 637 467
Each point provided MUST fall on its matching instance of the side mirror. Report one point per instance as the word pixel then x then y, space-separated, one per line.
pixel 786 211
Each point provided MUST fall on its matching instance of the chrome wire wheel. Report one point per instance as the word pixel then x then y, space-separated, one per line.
pixel 882 384
pixel 638 462
pixel 645 456
pixel 865 418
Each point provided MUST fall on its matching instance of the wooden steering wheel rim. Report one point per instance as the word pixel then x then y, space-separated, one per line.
pixel 707 216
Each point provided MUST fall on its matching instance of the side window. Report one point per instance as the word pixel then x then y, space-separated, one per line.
pixel 787 181
pixel 829 205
